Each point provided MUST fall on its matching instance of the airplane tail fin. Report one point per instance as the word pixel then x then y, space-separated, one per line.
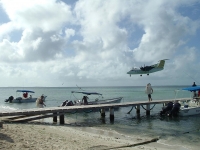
pixel 161 64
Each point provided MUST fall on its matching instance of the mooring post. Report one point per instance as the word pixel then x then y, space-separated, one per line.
pixel 111 113
pixel 55 117
pixel 138 109
pixel 148 110
pixel 103 113
pixel 62 118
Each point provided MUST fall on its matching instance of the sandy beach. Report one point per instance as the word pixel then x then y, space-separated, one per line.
pixel 50 137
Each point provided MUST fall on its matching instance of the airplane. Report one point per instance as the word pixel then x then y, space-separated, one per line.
pixel 148 69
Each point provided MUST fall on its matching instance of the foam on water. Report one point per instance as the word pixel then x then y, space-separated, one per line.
pixel 6 108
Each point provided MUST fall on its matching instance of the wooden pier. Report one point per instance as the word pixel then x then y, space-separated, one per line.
pixel 26 115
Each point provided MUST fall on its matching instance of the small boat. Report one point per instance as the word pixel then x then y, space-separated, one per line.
pixel 85 100
pixel 191 106
pixel 96 101
pixel 25 98
pixel 184 108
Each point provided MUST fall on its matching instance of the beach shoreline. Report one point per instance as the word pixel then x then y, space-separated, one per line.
pixel 45 136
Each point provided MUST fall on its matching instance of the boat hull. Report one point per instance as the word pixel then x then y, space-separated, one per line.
pixel 189 111
pixel 28 100
pixel 106 101
pixel 25 98
pixel 21 100
pixel 99 102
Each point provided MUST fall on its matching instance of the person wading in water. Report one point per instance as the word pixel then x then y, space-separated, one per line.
pixel 40 102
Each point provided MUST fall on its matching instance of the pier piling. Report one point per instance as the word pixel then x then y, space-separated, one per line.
pixel 1 124
pixel 103 113
pixel 55 117
pixel 111 114
pixel 148 110
pixel 138 109
pixel 62 118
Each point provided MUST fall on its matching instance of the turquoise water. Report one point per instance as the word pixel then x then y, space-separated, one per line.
pixel 183 130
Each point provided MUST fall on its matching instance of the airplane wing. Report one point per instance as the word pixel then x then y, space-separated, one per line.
pixel 147 68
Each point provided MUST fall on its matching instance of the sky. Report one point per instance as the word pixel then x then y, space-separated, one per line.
pixel 68 43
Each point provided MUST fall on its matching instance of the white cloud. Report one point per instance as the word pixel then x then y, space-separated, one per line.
pixel 89 41
pixel 99 22
pixel 164 30
pixel 5 29
pixel 69 32
pixel 47 15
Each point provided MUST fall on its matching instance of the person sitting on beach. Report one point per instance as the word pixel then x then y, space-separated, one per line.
pixel 85 100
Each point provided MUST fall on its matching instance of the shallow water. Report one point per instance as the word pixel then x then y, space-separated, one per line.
pixel 176 131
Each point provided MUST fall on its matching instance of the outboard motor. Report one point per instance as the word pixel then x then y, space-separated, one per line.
pixel 70 103
pixel 64 103
pixel 9 99
pixel 167 108
pixel 175 110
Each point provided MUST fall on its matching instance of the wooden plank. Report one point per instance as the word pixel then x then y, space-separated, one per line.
pixel 31 118
pixel 16 117
pixel 12 117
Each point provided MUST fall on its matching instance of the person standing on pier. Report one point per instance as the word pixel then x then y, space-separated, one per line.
pixel 85 100
pixel 194 84
pixel 194 92
pixel 149 91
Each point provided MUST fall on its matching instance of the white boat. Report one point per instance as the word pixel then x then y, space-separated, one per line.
pixel 191 106
pixel 188 107
pixel 189 111
pixel 98 100
pixel 25 98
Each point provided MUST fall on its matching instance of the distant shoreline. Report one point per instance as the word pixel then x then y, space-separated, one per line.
pixel 97 86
